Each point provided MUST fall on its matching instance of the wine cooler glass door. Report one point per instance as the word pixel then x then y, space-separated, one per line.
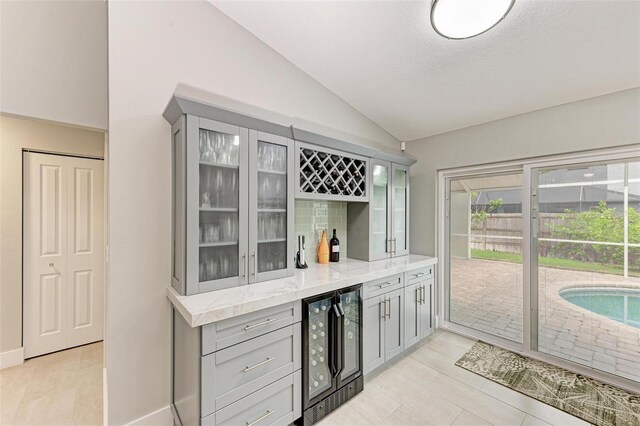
pixel 319 375
pixel 270 206
pixel 221 175
pixel 380 218
pixel 350 301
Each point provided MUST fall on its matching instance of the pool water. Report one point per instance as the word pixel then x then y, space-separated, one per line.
pixel 619 304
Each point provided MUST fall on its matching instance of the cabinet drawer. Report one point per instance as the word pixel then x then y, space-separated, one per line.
pixel 381 286
pixel 419 274
pixel 235 330
pixel 235 372
pixel 277 404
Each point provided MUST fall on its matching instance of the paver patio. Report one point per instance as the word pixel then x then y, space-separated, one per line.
pixel 487 296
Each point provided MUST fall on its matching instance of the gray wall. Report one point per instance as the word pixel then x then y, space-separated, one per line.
pixel 604 121
pixel 54 60
pixel 154 46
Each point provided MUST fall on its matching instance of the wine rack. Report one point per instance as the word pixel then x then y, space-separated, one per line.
pixel 330 175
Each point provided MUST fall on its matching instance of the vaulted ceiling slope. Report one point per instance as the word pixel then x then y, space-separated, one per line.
pixel 384 58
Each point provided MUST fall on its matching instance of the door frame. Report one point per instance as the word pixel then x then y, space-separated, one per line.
pixel 23 182
pixel 629 153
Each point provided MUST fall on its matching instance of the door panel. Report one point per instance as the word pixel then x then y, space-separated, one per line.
pixel 218 157
pixel 373 327
pixel 400 212
pixel 394 324
pixel 85 270
pixel 63 252
pixel 412 314
pixel 351 337
pixel 270 206
pixel 380 202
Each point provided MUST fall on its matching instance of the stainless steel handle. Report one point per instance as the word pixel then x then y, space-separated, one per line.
pixel 422 295
pixel 395 246
pixel 266 361
pixel 383 306
pixel 269 412
pixel 387 284
pixel 244 265
pixel 418 296
pixel 418 275
pixel 255 264
pixel 388 303
pixel 260 324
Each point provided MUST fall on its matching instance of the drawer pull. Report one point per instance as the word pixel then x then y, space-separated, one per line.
pixel 387 284
pixel 269 412
pixel 419 274
pixel 266 361
pixel 260 324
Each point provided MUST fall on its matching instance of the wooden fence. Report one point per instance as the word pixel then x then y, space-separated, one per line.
pixel 486 236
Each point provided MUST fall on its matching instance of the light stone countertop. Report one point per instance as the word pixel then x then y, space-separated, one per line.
pixel 213 306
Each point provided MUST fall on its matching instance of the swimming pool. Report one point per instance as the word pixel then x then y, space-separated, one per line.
pixel 619 304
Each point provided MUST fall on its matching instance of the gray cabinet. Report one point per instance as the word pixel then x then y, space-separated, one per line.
pixel 245 369
pixel 418 311
pixel 383 328
pixel 232 205
pixel 380 229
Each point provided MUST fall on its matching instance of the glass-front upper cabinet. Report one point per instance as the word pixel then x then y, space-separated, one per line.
pixel 380 214
pixel 400 211
pixel 222 203
pixel 232 206
pixel 270 206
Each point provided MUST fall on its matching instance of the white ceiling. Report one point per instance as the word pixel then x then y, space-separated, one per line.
pixel 384 58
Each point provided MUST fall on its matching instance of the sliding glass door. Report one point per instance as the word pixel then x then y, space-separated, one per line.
pixel 544 257
pixel 485 253
pixel 586 235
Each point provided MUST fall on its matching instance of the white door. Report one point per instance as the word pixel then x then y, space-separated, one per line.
pixel 63 252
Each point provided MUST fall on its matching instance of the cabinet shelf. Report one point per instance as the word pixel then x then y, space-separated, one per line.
pixel 219 244
pixel 218 209
pixel 272 210
pixel 223 166
pixel 272 172
pixel 273 240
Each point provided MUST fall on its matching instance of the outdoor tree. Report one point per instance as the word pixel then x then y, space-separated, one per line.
pixel 481 213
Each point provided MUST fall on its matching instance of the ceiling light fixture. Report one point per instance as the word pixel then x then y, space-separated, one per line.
pixel 460 19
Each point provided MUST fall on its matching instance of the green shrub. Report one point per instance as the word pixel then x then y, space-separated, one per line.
pixel 599 224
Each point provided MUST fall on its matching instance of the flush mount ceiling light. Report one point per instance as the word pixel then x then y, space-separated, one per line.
pixel 460 19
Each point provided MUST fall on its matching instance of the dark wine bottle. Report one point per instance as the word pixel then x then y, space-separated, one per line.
pixel 334 248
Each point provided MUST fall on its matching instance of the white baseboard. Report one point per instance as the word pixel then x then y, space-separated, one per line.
pixel 11 358
pixel 161 417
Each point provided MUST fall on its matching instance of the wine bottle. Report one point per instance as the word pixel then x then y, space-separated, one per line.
pixel 334 254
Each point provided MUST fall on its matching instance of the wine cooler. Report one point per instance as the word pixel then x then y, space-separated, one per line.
pixel 331 351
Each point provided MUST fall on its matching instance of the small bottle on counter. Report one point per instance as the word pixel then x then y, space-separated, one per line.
pixel 334 255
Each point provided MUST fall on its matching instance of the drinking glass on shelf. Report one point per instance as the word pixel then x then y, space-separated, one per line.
pixel 205 202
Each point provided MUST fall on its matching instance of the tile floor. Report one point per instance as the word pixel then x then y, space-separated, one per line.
pixel 424 387
pixel 63 388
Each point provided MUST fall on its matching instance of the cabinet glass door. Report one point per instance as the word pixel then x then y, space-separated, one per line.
pixel 351 338
pixel 380 200
pixel 319 377
pixel 270 206
pixel 400 210
pixel 219 202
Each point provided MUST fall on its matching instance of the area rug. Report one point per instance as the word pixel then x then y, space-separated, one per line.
pixel 586 398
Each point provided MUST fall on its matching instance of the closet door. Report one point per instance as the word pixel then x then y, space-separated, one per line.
pixel 63 252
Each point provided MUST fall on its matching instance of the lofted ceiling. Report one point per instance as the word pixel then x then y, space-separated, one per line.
pixel 384 58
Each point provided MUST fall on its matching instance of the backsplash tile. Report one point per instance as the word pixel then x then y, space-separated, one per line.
pixel 313 217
